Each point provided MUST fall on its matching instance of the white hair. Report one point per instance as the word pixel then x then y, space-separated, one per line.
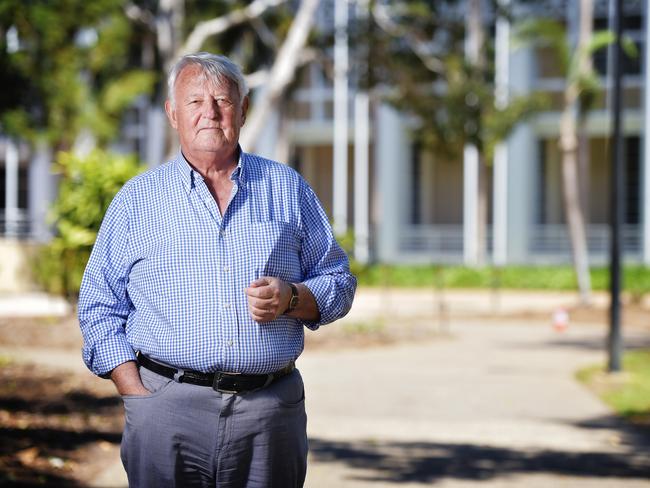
pixel 215 66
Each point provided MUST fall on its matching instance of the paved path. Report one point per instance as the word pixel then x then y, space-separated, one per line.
pixel 488 404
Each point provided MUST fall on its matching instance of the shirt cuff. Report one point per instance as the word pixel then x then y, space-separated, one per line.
pixel 107 355
pixel 321 290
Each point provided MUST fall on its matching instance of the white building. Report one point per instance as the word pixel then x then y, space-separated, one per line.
pixel 419 203
pixel 405 205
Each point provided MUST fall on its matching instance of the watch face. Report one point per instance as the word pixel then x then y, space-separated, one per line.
pixel 293 303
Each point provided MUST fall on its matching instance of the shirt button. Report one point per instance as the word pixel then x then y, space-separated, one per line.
pixel 226 305
pixel 226 268
pixel 230 343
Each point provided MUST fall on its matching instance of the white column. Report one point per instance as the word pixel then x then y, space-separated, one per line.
pixel 41 192
pixel 470 153
pixel 522 178
pixel 500 187
pixel 645 167
pixel 340 190
pixel 267 139
pixel 361 152
pixel 391 151
pixel 155 142
pixel 316 98
pixel 361 177
pixel 11 188
pixel 470 205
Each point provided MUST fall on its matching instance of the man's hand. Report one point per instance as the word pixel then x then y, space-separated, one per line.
pixel 268 298
pixel 127 380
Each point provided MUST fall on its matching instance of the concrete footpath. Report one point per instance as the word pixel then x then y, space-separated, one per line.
pixel 489 403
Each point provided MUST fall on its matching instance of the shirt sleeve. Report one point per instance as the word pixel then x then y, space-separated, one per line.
pixel 324 264
pixel 103 302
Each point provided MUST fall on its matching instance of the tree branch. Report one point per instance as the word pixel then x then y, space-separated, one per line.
pixel 382 16
pixel 208 28
pixel 264 33
pixel 282 72
pixel 258 78
pixel 137 14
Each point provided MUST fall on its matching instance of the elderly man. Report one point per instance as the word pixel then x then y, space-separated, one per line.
pixel 194 299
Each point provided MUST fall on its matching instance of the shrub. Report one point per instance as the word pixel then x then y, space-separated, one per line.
pixel 87 186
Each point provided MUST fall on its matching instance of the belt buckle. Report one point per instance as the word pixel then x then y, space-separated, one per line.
pixel 220 377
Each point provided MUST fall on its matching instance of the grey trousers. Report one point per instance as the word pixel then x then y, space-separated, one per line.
pixel 185 435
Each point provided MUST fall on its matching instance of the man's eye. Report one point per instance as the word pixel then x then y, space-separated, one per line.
pixel 223 102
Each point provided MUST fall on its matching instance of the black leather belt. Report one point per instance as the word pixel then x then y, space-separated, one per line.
pixel 220 381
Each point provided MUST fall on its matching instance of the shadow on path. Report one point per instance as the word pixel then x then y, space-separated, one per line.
pixel 52 425
pixel 427 462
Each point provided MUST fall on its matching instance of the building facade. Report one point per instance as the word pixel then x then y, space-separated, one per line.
pixel 404 204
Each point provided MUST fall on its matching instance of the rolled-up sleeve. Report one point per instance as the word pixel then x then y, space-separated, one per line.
pixel 324 264
pixel 103 301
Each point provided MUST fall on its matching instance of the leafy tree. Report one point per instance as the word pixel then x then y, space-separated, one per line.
pixel 581 92
pixel 67 66
pixel 88 184
pixel 418 47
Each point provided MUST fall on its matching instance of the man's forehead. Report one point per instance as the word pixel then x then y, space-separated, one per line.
pixel 195 77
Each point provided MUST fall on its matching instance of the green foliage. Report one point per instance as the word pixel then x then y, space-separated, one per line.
pixel 628 394
pixel 69 69
pixel 636 278
pixel 454 104
pixel 346 241
pixel 87 187
pixel 552 34
pixel 545 33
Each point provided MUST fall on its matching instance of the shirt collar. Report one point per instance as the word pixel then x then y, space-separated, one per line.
pixel 189 174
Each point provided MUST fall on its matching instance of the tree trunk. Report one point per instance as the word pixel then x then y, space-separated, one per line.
pixel 569 137
pixel 169 35
pixel 282 73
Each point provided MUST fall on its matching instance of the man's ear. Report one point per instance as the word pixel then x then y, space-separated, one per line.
pixel 171 114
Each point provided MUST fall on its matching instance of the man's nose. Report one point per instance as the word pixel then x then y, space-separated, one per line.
pixel 211 109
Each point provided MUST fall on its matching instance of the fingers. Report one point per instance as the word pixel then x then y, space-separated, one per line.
pixel 264 297
pixel 263 281
pixel 262 292
pixel 261 315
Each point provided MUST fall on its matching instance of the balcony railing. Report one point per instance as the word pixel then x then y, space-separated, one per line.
pixel 547 243
pixel 436 242
pixel 15 223
pixel 553 239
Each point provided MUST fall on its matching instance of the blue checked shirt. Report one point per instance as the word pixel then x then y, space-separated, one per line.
pixel 167 273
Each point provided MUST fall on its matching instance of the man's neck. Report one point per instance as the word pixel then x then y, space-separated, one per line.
pixel 213 165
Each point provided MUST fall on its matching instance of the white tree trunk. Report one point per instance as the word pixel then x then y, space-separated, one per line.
pixel 281 74
pixel 211 27
pixel 570 165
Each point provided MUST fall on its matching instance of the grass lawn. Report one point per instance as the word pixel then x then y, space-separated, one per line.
pixel 636 278
pixel 628 392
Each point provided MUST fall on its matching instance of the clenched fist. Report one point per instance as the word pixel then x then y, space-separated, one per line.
pixel 268 298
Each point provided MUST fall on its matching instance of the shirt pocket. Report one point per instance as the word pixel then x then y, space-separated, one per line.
pixel 275 247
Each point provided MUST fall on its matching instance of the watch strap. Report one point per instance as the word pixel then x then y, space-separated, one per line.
pixel 293 301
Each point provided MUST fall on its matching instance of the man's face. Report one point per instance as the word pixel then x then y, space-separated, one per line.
pixel 207 116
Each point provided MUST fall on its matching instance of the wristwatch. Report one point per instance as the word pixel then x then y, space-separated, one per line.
pixel 294 300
